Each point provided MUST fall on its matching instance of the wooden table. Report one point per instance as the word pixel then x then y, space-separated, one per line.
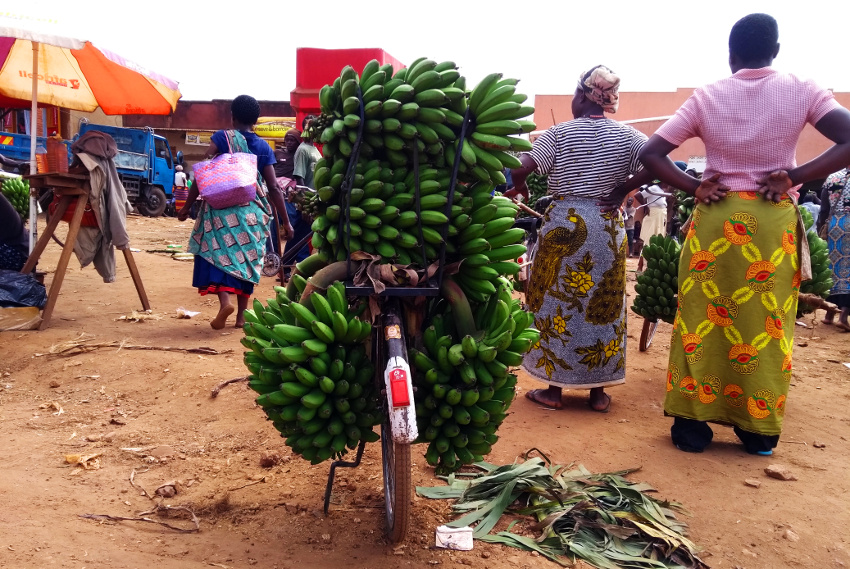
pixel 69 186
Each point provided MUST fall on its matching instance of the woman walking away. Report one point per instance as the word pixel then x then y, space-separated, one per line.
pixel 229 244
pixel 740 272
pixel 578 278
pixel 836 210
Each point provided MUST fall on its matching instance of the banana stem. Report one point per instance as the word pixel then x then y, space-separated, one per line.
pixel 462 312
pixel 324 278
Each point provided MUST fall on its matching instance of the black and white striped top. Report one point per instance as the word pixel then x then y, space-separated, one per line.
pixel 587 157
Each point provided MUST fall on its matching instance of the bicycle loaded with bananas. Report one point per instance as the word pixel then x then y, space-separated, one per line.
pixel 405 195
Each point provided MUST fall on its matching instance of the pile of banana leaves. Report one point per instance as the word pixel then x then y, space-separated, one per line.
pixel 603 519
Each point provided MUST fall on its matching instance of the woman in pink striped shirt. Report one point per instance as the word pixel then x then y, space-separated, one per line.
pixel 740 270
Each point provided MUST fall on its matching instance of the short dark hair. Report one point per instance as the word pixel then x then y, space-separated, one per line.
pixel 245 109
pixel 754 37
pixel 306 120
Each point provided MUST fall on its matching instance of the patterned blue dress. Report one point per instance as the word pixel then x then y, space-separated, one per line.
pixel 838 235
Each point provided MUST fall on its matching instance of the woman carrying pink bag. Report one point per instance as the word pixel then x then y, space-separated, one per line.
pixel 229 243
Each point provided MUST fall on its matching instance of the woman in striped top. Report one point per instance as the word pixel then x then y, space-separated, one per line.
pixel 578 278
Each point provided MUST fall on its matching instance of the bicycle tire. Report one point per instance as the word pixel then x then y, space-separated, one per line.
pixel 647 333
pixel 398 484
pixel 395 457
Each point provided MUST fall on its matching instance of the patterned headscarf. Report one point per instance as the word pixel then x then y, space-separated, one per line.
pixel 601 85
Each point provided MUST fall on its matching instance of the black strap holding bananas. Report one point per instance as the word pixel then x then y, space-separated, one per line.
pixel 348 181
pixel 467 119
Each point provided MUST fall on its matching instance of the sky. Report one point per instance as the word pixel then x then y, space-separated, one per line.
pixel 218 51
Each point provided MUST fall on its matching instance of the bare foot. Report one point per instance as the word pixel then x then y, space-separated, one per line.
pixel 599 400
pixel 239 324
pixel 221 318
pixel 843 326
pixel 828 317
pixel 545 397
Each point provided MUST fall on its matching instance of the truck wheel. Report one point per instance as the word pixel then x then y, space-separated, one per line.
pixel 155 203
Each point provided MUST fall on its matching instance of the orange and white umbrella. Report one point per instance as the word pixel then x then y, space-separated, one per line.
pixel 38 64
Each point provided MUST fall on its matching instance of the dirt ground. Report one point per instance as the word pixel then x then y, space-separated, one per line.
pixel 149 416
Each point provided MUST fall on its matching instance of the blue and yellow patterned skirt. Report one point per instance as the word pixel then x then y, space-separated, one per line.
pixel 577 292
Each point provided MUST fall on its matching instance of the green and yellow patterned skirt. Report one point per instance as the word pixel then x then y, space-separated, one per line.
pixel 730 355
pixel 577 293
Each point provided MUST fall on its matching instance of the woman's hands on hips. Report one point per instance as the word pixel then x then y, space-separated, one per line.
pixel 711 190
pixel 775 185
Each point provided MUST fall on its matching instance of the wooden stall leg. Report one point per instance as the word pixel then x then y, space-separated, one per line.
pixel 70 240
pixel 41 244
pixel 137 278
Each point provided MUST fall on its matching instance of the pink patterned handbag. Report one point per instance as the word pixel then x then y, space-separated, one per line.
pixel 228 179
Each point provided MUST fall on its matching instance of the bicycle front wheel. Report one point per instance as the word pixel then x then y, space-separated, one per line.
pixel 647 334
pixel 397 484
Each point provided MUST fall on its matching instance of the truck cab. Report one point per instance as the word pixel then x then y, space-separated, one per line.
pixel 145 166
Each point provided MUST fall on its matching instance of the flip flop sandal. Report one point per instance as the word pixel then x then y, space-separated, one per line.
pixel 530 395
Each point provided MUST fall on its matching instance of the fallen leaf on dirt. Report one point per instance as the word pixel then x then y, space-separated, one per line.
pixel 136 316
pixel 87 461
pixel 52 405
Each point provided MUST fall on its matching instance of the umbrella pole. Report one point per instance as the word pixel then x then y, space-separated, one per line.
pixel 33 136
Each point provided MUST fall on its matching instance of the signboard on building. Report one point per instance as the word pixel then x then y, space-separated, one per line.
pixel 273 127
pixel 199 138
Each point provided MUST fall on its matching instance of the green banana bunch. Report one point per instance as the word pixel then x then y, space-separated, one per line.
pixel 821 282
pixel 489 245
pixel 685 204
pixel 17 191
pixel 308 364
pixel 464 380
pixel 657 288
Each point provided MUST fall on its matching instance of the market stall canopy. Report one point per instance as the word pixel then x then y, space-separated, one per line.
pixel 41 64
pixel 74 74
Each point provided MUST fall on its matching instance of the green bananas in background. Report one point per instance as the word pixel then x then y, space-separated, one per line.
pixel 309 364
pixel 685 204
pixel 464 387
pixel 656 289
pixel 17 191
pixel 821 282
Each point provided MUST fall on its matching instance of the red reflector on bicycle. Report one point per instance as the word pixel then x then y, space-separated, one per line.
pixel 398 387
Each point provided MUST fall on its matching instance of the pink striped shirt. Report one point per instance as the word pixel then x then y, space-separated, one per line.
pixel 750 123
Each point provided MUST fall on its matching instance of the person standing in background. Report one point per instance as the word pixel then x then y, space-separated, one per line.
pixel 835 216
pixel 180 189
pixel 301 227
pixel 285 165
pixel 654 199
pixel 306 157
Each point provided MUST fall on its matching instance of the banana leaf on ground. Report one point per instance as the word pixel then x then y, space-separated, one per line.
pixel 568 513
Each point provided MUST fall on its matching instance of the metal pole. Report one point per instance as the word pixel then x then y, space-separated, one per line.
pixel 33 135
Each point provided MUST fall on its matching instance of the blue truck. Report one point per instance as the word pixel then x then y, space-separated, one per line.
pixel 144 162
